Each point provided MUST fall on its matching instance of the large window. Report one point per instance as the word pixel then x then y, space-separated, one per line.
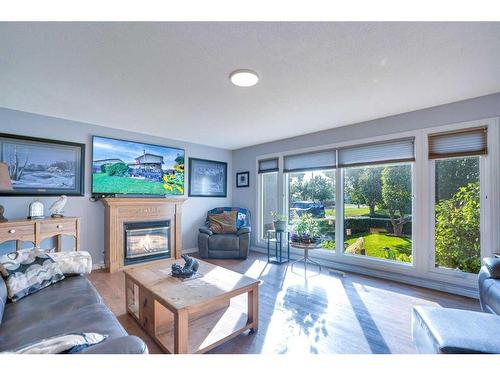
pixel 424 204
pixel 313 193
pixel 378 211
pixel 457 212
pixel 269 191
pixel 457 198
pixel 269 188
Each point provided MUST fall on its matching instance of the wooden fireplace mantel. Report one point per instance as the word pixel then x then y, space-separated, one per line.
pixel 128 210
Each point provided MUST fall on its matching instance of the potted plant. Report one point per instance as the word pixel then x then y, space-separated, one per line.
pixel 279 221
pixel 306 229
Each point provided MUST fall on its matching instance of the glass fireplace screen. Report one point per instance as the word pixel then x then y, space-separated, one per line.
pixel 144 241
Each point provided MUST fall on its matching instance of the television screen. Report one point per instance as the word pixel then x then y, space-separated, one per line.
pixel 125 167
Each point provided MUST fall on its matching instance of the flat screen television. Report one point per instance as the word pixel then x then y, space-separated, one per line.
pixel 126 167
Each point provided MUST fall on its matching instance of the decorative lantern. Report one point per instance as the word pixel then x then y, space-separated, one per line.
pixel 36 210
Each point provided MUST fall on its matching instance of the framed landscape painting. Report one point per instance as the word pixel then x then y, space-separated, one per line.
pixel 39 166
pixel 207 178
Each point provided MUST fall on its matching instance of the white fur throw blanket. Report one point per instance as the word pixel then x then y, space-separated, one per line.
pixel 73 262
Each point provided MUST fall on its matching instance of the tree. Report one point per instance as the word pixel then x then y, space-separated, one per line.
pixel 318 188
pixel 352 187
pixel 396 195
pixel 370 187
pixel 452 174
pixel 457 233
pixel 16 166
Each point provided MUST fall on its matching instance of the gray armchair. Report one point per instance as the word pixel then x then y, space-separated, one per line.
pixel 224 246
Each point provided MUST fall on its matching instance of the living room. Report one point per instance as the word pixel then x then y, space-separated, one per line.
pixel 250 188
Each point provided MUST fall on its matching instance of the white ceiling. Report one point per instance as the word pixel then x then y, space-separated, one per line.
pixel 171 79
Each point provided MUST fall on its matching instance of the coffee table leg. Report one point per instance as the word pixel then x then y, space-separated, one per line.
pixel 181 332
pixel 253 309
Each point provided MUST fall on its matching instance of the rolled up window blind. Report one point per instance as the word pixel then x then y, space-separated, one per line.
pixel 325 159
pixel 465 142
pixel 268 165
pixel 394 151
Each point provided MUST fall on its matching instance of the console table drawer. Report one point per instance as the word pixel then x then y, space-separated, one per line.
pixel 17 232
pixel 58 227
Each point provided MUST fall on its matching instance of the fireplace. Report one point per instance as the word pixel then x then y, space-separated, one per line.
pixel 145 241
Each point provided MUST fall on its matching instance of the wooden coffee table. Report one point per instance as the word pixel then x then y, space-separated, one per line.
pixel 191 315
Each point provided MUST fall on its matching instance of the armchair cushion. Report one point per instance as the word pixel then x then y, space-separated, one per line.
pixel 243 230
pixel 493 266
pixel 223 242
pixel 206 230
pixel 224 222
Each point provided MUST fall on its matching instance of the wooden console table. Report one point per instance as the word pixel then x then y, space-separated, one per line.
pixel 36 231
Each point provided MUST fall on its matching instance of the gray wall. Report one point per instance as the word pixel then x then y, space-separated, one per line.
pixel 467 110
pixel 92 213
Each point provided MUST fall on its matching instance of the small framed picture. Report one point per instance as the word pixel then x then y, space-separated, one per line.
pixel 243 179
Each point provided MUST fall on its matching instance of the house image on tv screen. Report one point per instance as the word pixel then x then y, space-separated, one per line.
pixel 148 166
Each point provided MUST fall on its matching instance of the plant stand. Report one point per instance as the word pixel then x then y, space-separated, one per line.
pixel 278 244
pixel 306 259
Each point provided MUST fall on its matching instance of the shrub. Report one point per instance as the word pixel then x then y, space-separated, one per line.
pixel 362 224
pixel 117 169
pixel 457 230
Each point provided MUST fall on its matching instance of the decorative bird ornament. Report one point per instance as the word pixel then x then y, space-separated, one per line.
pixel 57 208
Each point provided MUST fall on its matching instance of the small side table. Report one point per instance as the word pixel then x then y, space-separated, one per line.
pixel 278 246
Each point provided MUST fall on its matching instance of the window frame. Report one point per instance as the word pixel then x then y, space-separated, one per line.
pixel 487 220
pixel 412 175
pixel 422 268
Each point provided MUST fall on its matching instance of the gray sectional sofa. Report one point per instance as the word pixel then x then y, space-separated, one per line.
pixel 69 306
pixel 438 330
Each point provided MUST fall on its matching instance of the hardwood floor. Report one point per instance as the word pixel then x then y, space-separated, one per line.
pixel 321 314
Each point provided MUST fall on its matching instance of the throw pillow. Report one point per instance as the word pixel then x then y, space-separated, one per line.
pixel 223 223
pixel 62 344
pixel 28 271
pixel 73 262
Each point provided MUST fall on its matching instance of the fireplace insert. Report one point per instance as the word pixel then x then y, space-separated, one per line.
pixel 145 241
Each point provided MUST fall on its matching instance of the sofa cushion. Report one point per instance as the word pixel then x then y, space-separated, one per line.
pixel 91 318
pixel 62 344
pixel 73 262
pixel 118 345
pixel 223 242
pixel 442 330
pixel 58 299
pixel 3 297
pixel 223 223
pixel 27 271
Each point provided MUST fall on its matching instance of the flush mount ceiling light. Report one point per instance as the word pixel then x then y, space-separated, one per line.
pixel 244 78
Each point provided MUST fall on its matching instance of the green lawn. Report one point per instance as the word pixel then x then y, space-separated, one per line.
pixel 103 183
pixel 349 211
pixel 375 243
pixel 400 247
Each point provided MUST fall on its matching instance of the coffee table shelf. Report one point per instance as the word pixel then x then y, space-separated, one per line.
pixel 209 331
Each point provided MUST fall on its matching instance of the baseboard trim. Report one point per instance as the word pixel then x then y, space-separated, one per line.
pixel 393 276
pixel 190 250
pixel 98 266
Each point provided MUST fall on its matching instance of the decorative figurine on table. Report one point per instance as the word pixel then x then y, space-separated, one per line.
pixel 189 269
pixel 57 208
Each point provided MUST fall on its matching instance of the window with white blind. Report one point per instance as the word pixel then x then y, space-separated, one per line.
pixel 456 158
pixel 414 205
pixel 378 200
